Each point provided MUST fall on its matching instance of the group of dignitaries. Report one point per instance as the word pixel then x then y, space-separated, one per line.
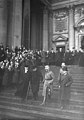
pixel 20 67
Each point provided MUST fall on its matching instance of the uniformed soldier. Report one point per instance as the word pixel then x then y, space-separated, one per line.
pixel 48 82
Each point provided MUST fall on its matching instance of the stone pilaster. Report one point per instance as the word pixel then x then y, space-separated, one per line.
pixel 71 28
pixel 26 24
pixel 50 36
pixel 17 23
pixel 45 29
pixel 3 21
pixel 14 23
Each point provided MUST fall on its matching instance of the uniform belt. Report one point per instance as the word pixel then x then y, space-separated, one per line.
pixel 48 79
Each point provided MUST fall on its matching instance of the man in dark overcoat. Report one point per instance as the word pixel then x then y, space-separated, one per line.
pixel 65 81
pixel 1 74
pixel 24 79
pixel 36 78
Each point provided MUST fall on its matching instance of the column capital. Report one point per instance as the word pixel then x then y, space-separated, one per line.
pixel 45 10
pixel 70 7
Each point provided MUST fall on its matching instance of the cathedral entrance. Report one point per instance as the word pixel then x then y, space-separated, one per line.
pixel 60 43
pixel 60 48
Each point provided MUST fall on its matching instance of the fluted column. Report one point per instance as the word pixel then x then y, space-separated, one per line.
pixel 71 28
pixel 45 29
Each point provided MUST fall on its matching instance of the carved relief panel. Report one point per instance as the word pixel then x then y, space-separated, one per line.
pixel 79 25
pixel 79 12
pixel 60 21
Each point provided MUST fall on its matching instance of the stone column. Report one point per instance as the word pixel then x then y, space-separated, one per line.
pixel 26 24
pixel 3 21
pixel 50 30
pixel 17 23
pixel 45 29
pixel 71 28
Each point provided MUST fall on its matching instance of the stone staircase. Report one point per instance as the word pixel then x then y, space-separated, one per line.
pixel 14 107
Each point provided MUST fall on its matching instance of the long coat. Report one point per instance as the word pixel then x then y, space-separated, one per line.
pixel 1 76
pixel 36 77
pixel 15 79
pixel 23 82
pixel 65 81
pixel 5 77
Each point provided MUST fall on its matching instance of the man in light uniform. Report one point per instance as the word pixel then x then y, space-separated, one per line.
pixel 48 82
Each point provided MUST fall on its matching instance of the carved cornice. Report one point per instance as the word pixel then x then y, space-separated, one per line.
pixel 66 4
pixel 46 3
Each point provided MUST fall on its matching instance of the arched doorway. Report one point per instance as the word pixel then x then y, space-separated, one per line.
pixel 82 42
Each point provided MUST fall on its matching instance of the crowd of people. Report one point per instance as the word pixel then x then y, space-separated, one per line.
pixel 20 67
pixel 42 57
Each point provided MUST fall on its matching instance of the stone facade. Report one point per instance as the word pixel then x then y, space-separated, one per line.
pixel 60 25
pixel 68 22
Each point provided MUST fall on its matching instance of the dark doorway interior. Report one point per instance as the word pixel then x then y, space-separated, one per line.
pixel 60 48
pixel 82 42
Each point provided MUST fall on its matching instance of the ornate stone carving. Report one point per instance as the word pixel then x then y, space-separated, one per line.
pixel 60 21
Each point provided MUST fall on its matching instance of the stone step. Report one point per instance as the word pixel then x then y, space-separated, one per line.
pixel 75 96
pixel 81 81
pixel 11 98
pixel 55 99
pixel 80 78
pixel 75 71
pixel 25 104
pixel 77 87
pixel 11 92
pixel 13 106
pixel 78 84
pixel 73 87
pixel 43 111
